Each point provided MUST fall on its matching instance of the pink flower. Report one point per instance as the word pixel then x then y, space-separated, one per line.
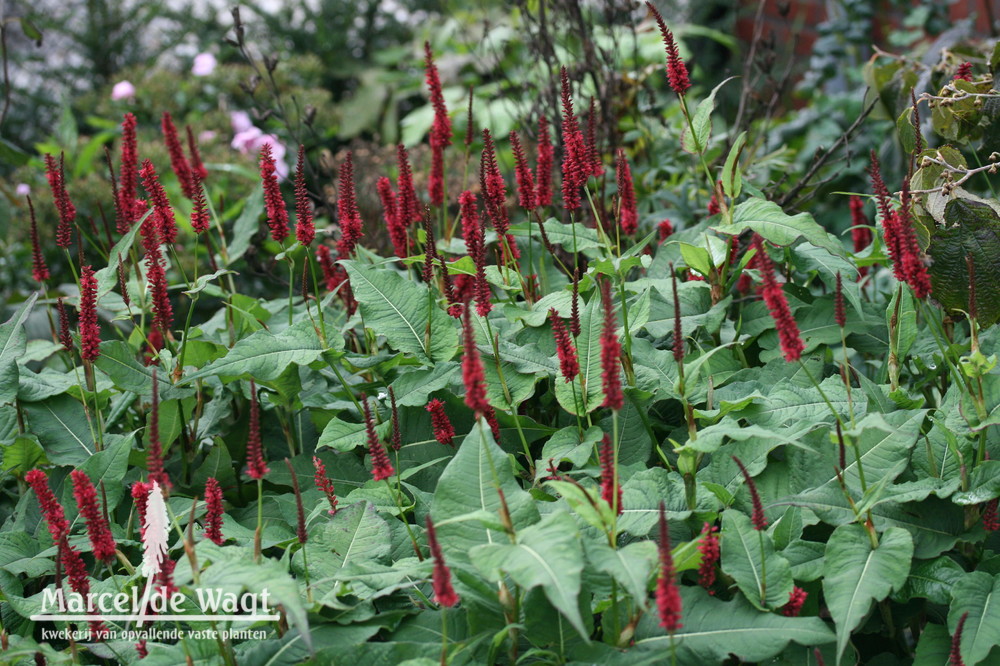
pixel 204 64
pixel 23 189
pixel 240 120
pixel 123 90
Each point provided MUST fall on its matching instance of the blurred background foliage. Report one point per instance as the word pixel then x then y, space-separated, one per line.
pixel 335 75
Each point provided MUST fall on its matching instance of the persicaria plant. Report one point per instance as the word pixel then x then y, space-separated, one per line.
pixel 479 400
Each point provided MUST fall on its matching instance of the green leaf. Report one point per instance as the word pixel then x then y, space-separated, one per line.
pixel 203 281
pixel 413 388
pixel 754 571
pixel 109 467
pixel 107 277
pixel 398 309
pixel 117 360
pixel 247 224
pixel 264 356
pixel 714 629
pixel 61 426
pixel 547 554
pixel 696 141
pixel 934 646
pixel 23 455
pixel 973 230
pixel 345 435
pixel 732 175
pixel 631 566
pixel 696 257
pixel 468 484
pixel 977 594
pixel 858 575
pixel 774 225
pixel 906 318
pixel 932 580
pixel 13 343
pixel 566 235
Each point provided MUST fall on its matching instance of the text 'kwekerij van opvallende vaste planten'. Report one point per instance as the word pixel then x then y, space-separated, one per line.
pixel 474 398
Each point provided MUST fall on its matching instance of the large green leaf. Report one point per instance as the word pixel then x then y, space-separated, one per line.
pixel 714 629
pixel 547 554
pixel 631 565
pixel 588 350
pixel 62 428
pixel 399 309
pixel 858 575
pixel 13 342
pixel 264 356
pixel 117 360
pixel 973 230
pixel 977 594
pixel 764 577
pixel 466 493
pixel 774 225
pixel 247 224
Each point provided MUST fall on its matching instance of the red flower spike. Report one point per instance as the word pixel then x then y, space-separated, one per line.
pixel 408 206
pixel 128 178
pixel 713 205
pixel 55 172
pixel 628 211
pixel 818 656
pixel 140 496
pixel 76 572
pixel 593 156
pixel 546 159
pixel 163 214
pixel 796 599
pixel 891 223
pixel 991 521
pixel 163 314
pixel 256 467
pixel 569 364
pixel 443 430
pixel 495 190
pixel 39 270
pixel 213 512
pixel 610 353
pixel 964 72
pixel 472 369
pixel 90 331
pixel 575 167
pixel 955 656
pixel 491 419
pixel 51 509
pixel 277 213
pixel 677 74
pixel 97 526
pixel 678 329
pixel 381 467
pixel 65 338
pixel 444 593
pixel 441 128
pixel 165 577
pixel 708 546
pixel 154 455
pixel 178 162
pixel 609 476
pixel 301 533
pixel 390 213
pixel 435 182
pixel 666 230
pixel 913 263
pixel 305 230
pixel 198 169
pixel 472 232
pixel 777 304
pixel 758 519
pixel 347 210
pixel 397 434
pixel 574 310
pixel 668 598
pixel 324 483
pixel 839 312
pixel 200 220
pixel 522 172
